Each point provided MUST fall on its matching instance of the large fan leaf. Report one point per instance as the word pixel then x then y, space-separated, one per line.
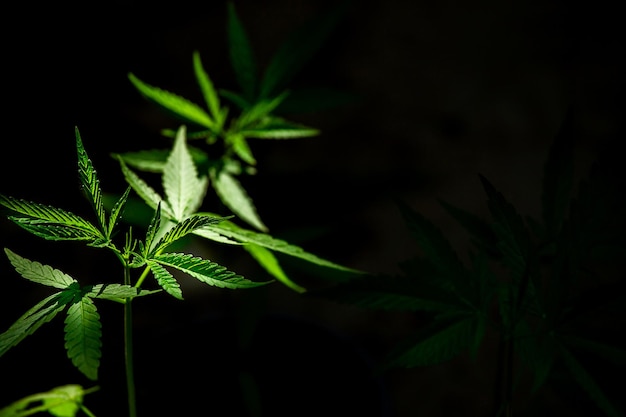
pixel 82 337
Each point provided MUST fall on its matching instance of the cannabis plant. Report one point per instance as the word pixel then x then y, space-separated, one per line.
pixel 152 256
pixel 220 135
pixel 541 285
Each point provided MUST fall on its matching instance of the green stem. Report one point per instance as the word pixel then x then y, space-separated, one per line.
pixel 128 350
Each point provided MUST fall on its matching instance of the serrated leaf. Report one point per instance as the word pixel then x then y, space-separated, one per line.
pixel 208 91
pixel 37 272
pixel 441 341
pixel 34 318
pixel 48 222
pixel 90 183
pixel 181 107
pixel 83 337
pixel 216 237
pixel 231 230
pixel 166 280
pixel 299 47
pixel 589 385
pixel 118 209
pixel 206 271
pixel 116 292
pixel 183 188
pixel 181 229
pixel 233 195
pixel 144 191
pixel 241 56
pixel 268 261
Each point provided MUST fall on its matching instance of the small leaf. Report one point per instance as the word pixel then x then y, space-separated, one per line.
pixel 208 91
pixel 82 337
pixel 116 211
pixel 183 108
pixel 241 147
pixel 91 184
pixel 269 262
pixel 233 195
pixel 166 280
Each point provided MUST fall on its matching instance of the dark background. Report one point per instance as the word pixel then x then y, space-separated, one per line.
pixel 446 90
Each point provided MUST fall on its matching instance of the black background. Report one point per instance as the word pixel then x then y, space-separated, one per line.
pixel 447 90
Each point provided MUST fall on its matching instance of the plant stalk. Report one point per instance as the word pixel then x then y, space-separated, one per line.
pixel 128 350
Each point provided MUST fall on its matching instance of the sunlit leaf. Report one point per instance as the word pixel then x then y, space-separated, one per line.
pixel 83 337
